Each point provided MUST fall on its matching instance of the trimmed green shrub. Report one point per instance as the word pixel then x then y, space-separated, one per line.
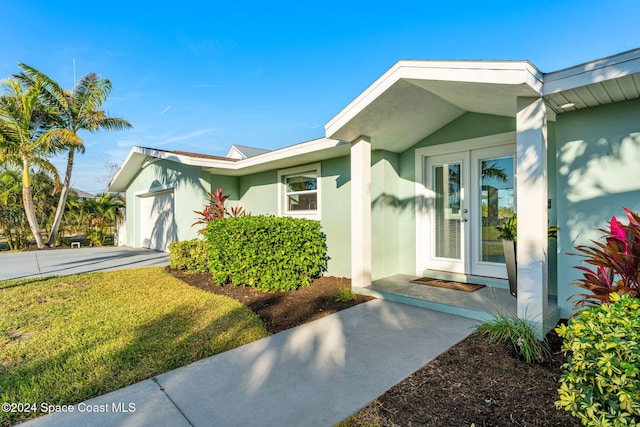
pixel 601 381
pixel 521 333
pixel 267 253
pixel 190 255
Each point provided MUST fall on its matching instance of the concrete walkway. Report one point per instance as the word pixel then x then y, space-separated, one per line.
pixel 58 262
pixel 316 374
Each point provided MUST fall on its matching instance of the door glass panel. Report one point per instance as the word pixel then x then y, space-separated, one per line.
pixel 447 189
pixel 497 203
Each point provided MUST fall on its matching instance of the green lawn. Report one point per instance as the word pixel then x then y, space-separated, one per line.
pixel 66 339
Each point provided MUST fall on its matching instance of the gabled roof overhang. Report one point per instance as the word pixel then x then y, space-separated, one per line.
pixel 298 154
pixel 415 98
pixel 600 82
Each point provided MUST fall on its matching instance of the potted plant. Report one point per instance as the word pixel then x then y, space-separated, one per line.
pixel 508 233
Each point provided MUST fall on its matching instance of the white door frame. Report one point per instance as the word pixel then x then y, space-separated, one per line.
pixel 143 225
pixel 423 195
pixel 452 265
pixel 476 265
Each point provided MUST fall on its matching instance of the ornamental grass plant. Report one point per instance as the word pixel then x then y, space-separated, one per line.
pixel 521 333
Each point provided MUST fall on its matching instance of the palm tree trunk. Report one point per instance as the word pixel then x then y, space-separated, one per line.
pixel 27 200
pixel 10 239
pixel 63 199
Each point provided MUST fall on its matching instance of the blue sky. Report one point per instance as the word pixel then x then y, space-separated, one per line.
pixel 201 76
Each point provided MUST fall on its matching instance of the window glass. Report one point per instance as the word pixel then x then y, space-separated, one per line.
pixel 497 202
pixel 301 192
pixel 303 202
pixel 301 183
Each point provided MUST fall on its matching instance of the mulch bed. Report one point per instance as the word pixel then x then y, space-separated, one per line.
pixel 474 382
pixel 282 310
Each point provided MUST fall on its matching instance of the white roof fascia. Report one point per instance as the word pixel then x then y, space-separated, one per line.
pixel 138 156
pixel 597 71
pixel 135 151
pixel 182 158
pixel 489 72
pixel 286 152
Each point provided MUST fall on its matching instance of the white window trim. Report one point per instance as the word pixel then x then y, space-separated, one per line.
pixel 282 174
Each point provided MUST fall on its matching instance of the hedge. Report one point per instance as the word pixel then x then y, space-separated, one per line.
pixel 190 255
pixel 265 252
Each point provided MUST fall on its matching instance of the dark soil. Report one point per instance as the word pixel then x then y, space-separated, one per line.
pixel 473 383
pixel 282 310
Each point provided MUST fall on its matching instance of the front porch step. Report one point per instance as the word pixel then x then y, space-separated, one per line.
pixel 480 305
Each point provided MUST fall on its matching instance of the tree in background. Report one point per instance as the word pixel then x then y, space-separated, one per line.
pixel 94 218
pixel 13 221
pixel 76 110
pixel 11 210
pixel 27 140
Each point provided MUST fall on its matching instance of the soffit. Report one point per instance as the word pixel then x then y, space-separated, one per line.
pixel 604 81
pixel 416 98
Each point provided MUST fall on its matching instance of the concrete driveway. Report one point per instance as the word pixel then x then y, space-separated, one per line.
pixel 60 262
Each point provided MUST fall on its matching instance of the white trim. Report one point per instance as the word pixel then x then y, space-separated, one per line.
pixel 422 194
pixel 448 264
pixel 154 190
pixel 600 70
pixel 317 149
pixel 282 174
pixel 514 73
pixel 477 266
pixel 143 223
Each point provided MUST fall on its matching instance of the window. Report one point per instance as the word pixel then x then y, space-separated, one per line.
pixel 300 191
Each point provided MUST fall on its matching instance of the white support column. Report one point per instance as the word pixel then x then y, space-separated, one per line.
pixel 361 212
pixel 531 185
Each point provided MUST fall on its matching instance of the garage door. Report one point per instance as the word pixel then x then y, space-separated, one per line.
pixel 157 221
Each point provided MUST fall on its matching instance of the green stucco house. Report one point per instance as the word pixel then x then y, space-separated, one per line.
pixel 414 174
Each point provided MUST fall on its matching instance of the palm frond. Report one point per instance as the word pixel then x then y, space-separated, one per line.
pixel 91 92
pixel 51 89
pixel 46 166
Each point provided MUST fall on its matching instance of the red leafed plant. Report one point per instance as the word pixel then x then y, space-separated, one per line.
pixel 615 264
pixel 216 209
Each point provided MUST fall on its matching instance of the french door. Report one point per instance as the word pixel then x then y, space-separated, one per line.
pixel 470 193
pixel 447 182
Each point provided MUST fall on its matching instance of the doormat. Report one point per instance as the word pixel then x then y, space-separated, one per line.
pixel 466 287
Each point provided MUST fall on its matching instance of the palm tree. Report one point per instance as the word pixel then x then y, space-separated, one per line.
pixel 10 206
pixel 108 209
pixel 78 109
pixel 27 140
